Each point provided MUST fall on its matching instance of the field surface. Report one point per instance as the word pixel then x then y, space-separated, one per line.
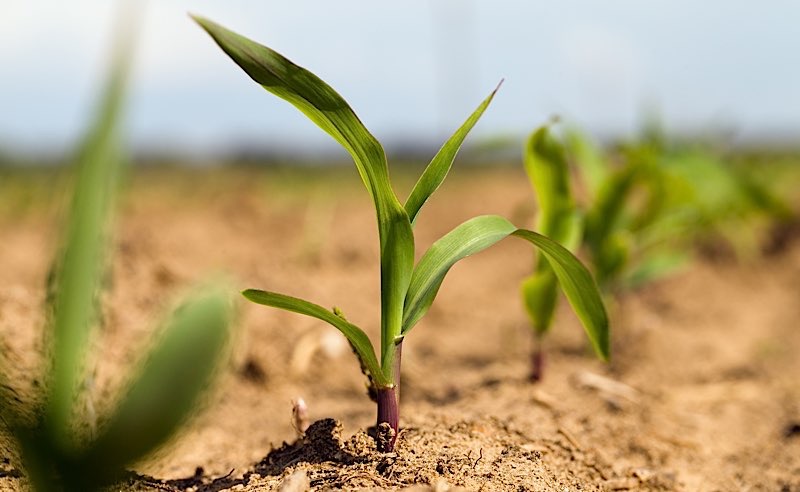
pixel 702 393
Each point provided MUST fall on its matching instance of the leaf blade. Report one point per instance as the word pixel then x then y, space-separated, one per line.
pixel 326 108
pixel 167 387
pixel 579 287
pixel 82 263
pixel 440 165
pixel 484 231
pixel 540 297
pixel 546 165
pixel 557 218
pixel 355 335
pixel 308 93
pixel 318 101
pixel 466 239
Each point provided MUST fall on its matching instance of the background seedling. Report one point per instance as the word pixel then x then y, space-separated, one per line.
pixel 713 198
pixel 407 291
pixel 159 396
pixel 650 201
pixel 558 219
pixel 641 209
pixel 622 223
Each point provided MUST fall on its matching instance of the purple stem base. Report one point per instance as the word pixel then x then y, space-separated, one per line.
pixel 537 364
pixel 388 413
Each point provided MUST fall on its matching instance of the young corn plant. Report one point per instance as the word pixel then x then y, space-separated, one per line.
pixel 55 453
pixel 559 219
pixel 610 226
pixel 407 290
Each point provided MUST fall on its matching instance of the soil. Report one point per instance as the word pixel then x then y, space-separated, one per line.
pixel 702 392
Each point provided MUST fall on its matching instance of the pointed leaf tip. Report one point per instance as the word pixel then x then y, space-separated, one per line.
pixel 440 165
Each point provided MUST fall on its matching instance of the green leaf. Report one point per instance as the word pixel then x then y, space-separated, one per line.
pixel 478 234
pixel 761 197
pixel 546 165
pixel 168 387
pixel 607 209
pixel 655 266
pixel 312 96
pixel 612 258
pixel 469 238
pixel 540 297
pixel 397 263
pixel 440 165
pixel 325 107
pixel 557 218
pixel 589 159
pixel 355 335
pixel 579 287
pixel 82 259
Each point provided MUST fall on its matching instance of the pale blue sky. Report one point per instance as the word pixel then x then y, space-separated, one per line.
pixel 411 69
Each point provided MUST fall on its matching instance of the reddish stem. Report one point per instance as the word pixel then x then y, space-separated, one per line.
pixel 389 407
pixel 388 413
pixel 537 362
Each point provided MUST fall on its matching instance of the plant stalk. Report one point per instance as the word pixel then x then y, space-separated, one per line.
pixel 537 360
pixel 388 400
pixel 388 419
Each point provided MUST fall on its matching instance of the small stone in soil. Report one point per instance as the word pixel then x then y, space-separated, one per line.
pixel 792 430
pixel 253 372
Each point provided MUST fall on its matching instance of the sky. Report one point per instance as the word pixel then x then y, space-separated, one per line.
pixel 412 70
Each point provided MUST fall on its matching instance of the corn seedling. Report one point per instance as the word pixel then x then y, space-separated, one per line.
pixel 637 218
pixel 55 454
pixel 407 291
pixel 623 204
pixel 558 219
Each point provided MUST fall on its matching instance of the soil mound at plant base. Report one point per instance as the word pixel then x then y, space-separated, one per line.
pixel 483 454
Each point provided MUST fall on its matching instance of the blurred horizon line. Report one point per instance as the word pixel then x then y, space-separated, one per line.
pixel 483 149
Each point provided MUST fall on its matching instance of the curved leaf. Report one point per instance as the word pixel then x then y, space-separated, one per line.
pixel 589 159
pixel 471 237
pixel 325 107
pixel 557 218
pixel 479 233
pixel 437 170
pixel 355 335
pixel 177 370
pixel 546 165
pixel 579 287
pixel 81 265
pixel 654 266
pixel 607 210
pixel 540 297
pixel 312 96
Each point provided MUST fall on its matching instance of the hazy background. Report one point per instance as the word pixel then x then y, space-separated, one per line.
pixel 412 70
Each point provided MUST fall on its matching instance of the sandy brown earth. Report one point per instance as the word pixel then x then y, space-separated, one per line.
pixel 702 393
